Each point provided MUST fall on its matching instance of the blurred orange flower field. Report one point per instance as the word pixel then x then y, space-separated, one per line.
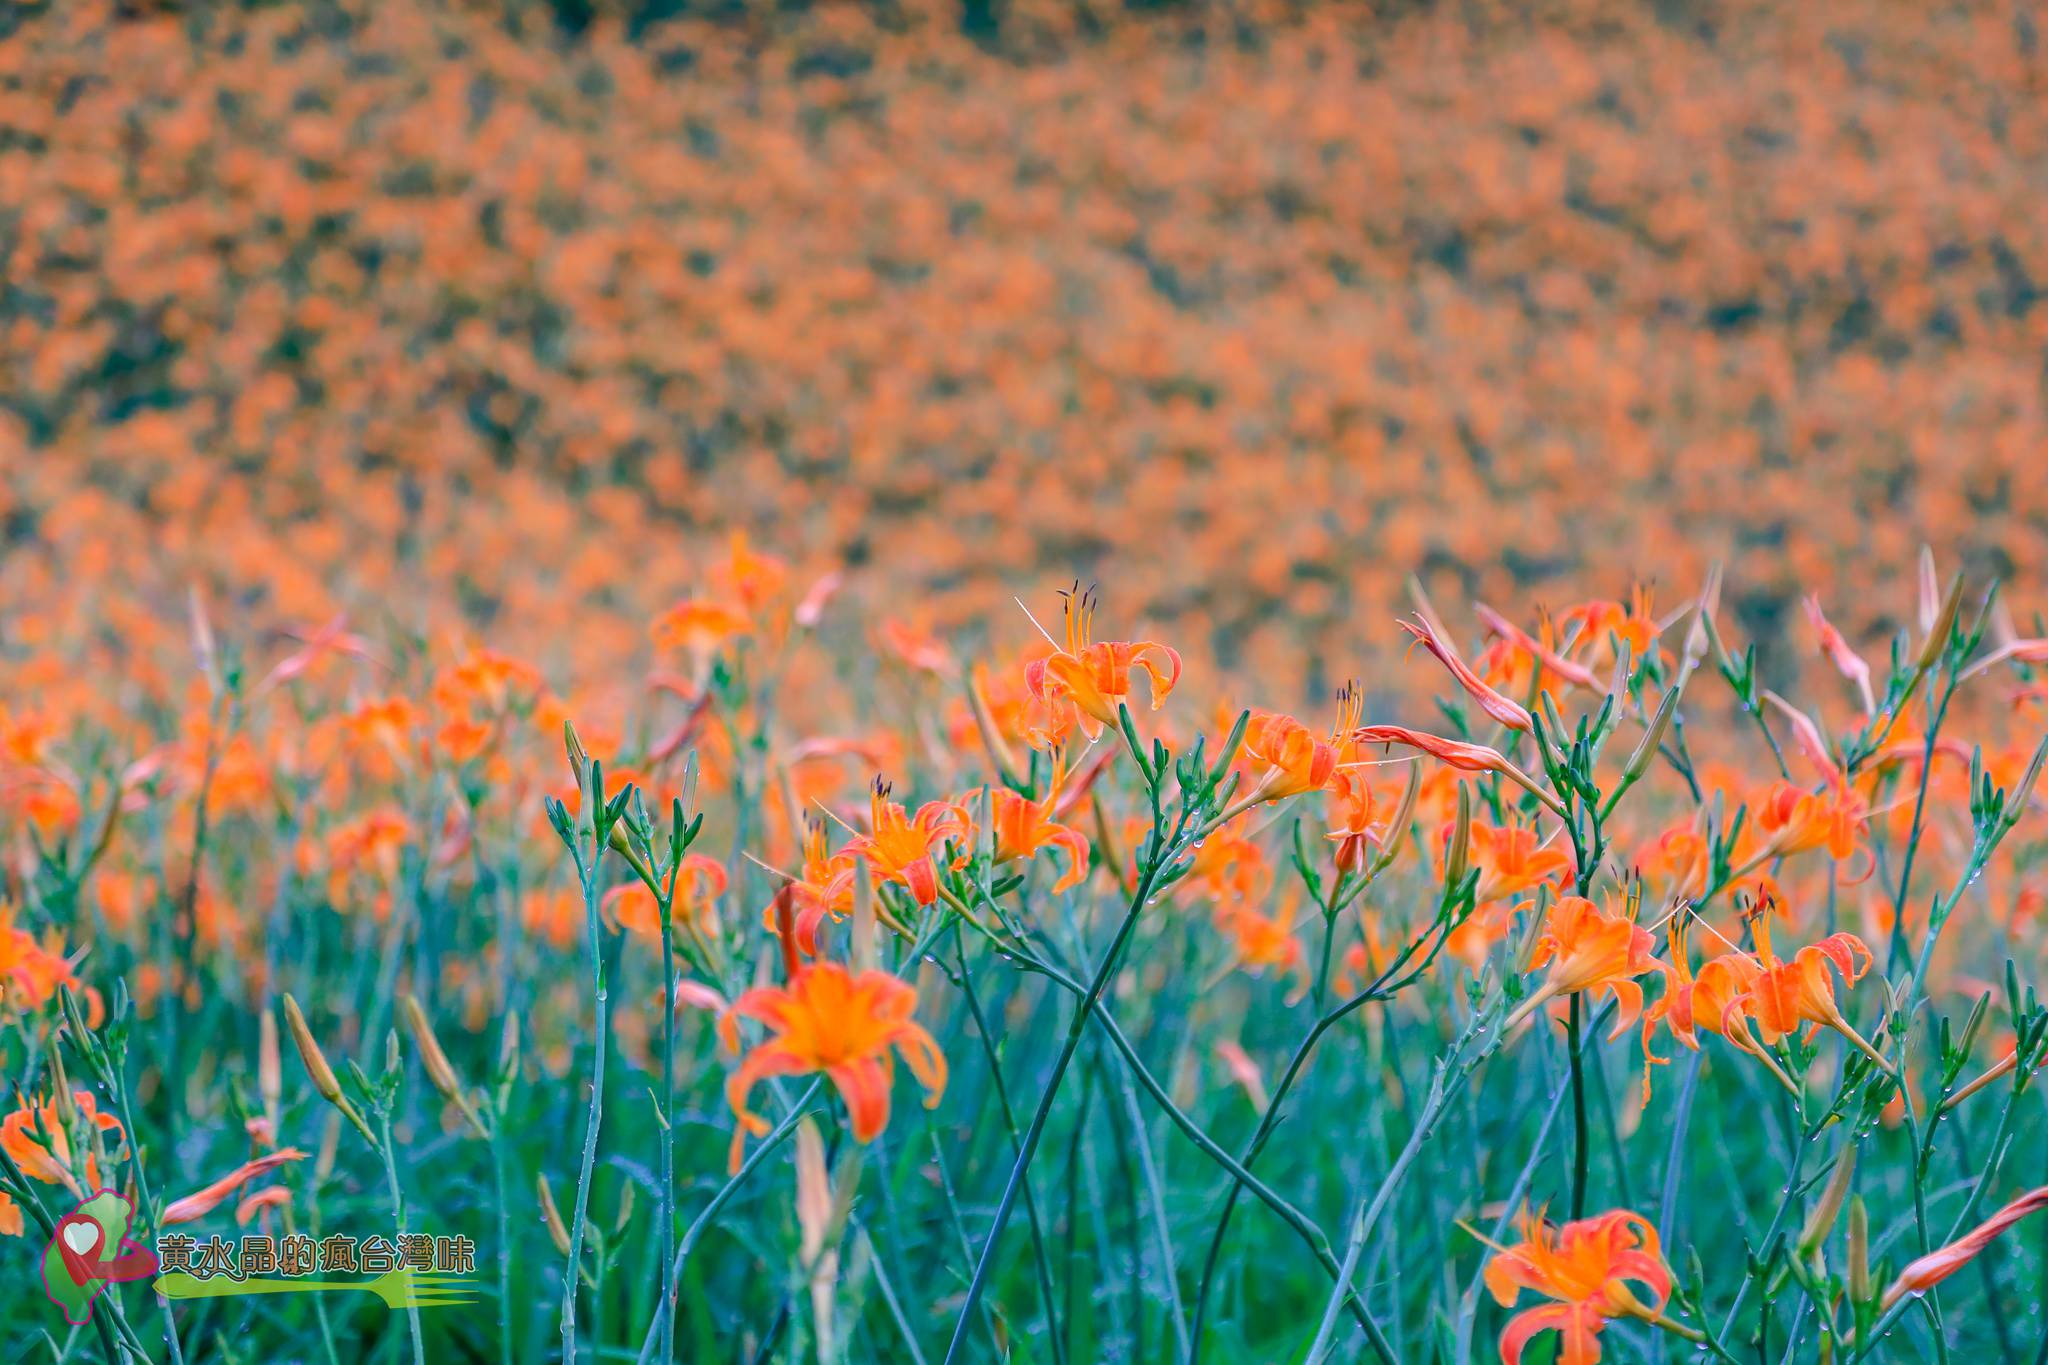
pixel 1395 649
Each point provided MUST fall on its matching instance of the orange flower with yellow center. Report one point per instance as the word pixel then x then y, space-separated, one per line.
pixel 899 845
pixel 830 1020
pixel 1094 677
pixel 1588 950
pixel 1587 1266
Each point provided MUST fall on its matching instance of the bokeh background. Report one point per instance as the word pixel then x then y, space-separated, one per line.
pixel 500 316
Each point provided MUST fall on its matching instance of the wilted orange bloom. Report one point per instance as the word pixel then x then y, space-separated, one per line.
pixel 333 637
pixel 1541 654
pixel 1930 1270
pixel 1472 758
pixel 202 1202
pixel 829 1019
pixel 1587 1266
pixel 261 1202
pixel 49 1157
pixel 1511 860
pixel 899 846
pixel 1505 710
pixel 1243 1070
pixel 1588 950
pixel 1093 678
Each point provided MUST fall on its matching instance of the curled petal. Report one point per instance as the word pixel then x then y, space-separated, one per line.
pixel 1922 1275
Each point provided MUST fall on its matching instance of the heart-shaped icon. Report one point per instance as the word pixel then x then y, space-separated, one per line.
pixel 82 1237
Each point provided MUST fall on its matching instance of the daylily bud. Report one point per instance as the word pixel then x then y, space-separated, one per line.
pixel 269 1070
pixel 1944 621
pixel 1700 637
pixel 1859 1251
pixel 1458 852
pixel 625 1214
pixel 1930 591
pixel 319 1071
pixel 1646 747
pixel 558 1233
pixel 1821 1221
pixel 1397 828
pixel 435 1062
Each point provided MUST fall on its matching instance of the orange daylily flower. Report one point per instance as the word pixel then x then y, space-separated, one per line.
pixel 1539 651
pixel 31 973
pixel 1263 940
pixel 1694 1001
pixel 1294 760
pixel 1512 860
pixel 1595 627
pixel 843 1024
pixel 699 627
pixel 49 1158
pixel 1024 826
pixel 699 881
pixel 899 845
pixel 1588 950
pixel 824 890
pixel 1093 677
pixel 1587 1266
pixel 1787 994
pixel 1793 820
pixel 1353 828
